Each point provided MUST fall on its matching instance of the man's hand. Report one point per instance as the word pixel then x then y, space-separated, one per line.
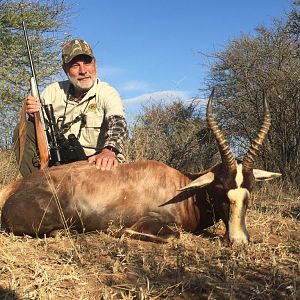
pixel 105 160
pixel 31 105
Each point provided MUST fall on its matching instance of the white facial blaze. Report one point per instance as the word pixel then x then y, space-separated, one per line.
pixel 238 204
pixel 239 175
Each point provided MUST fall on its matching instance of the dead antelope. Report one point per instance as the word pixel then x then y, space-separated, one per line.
pixel 145 196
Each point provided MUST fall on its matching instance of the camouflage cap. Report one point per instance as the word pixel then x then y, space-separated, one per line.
pixel 74 48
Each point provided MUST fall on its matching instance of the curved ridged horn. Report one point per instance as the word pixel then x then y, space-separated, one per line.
pixel 249 159
pixel 226 154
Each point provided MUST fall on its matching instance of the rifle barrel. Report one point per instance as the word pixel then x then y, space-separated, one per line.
pixel 39 119
pixel 30 58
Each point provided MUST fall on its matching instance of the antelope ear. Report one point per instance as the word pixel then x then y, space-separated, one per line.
pixel 262 175
pixel 200 182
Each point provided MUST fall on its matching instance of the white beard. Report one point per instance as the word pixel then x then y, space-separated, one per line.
pixel 82 86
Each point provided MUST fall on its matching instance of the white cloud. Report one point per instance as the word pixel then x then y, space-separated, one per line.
pixel 135 85
pixel 168 95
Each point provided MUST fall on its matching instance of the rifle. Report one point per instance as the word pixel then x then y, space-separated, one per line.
pixel 58 149
pixel 39 120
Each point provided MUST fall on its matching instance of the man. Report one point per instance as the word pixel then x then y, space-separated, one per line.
pixel 84 106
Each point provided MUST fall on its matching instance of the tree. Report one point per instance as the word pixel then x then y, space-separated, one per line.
pixel 45 21
pixel 174 133
pixel 250 68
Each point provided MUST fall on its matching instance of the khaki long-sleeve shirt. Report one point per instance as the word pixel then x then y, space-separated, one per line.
pixel 102 122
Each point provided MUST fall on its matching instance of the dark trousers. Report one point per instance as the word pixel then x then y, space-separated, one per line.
pixel 30 160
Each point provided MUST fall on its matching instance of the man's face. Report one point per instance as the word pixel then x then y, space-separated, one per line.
pixel 82 72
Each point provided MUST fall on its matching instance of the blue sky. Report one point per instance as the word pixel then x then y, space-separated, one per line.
pixel 151 49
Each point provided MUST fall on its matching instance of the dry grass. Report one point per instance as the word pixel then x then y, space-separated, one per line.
pixel 101 266
pixel 8 167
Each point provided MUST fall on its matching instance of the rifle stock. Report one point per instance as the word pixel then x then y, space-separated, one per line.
pixel 41 142
pixel 41 136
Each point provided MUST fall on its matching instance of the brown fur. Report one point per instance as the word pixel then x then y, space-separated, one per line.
pixel 144 197
pixel 90 199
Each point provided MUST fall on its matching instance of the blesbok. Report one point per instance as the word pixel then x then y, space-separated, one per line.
pixel 145 196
